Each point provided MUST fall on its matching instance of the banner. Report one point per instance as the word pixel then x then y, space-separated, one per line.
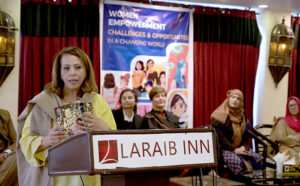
pixel 153 150
pixel 143 46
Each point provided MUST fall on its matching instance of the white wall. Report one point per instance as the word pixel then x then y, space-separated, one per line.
pixel 269 100
pixel 9 89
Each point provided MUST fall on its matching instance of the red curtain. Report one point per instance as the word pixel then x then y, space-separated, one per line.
pixel 225 57
pixel 294 73
pixel 48 26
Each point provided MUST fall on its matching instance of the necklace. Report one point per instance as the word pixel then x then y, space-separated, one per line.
pixel 67 101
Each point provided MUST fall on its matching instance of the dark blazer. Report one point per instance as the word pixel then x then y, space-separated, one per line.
pixel 123 125
pixel 152 121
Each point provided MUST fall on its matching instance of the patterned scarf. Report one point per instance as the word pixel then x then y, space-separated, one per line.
pixel 235 115
pixel 295 125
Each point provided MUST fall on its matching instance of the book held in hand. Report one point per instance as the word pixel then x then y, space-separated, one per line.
pixel 67 115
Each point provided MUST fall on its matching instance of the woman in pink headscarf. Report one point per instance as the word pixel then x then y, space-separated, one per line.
pixel 286 131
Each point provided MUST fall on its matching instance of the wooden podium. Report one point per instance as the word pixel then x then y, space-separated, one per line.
pixel 133 157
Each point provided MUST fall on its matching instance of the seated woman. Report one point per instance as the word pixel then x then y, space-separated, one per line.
pixel 286 131
pixel 126 117
pixel 230 122
pixel 158 118
pixel 8 162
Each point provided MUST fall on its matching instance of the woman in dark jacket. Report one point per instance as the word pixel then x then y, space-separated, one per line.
pixel 230 122
pixel 158 118
pixel 126 117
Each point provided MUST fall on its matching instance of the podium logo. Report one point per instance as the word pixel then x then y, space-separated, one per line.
pixel 108 151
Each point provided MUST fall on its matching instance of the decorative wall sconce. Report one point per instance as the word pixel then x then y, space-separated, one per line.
pixel 7 45
pixel 281 51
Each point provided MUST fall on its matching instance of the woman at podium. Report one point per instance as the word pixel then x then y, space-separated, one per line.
pixel 39 127
pixel 126 117
pixel 158 118
pixel 230 122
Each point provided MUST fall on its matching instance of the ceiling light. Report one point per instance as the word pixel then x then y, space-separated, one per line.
pixel 263 6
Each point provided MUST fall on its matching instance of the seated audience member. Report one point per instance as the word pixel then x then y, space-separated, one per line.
pixel 230 122
pixel 8 162
pixel 158 118
pixel 286 130
pixel 126 117
pixel 73 80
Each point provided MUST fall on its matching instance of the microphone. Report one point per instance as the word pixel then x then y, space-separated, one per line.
pixel 81 108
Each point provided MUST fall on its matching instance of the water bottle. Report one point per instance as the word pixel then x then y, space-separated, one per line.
pixel 279 169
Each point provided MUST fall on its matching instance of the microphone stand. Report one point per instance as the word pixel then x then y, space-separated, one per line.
pixel 81 112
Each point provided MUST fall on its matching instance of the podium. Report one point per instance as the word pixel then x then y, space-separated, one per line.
pixel 133 157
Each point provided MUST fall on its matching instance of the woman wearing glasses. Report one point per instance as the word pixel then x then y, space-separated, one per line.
pixel 286 131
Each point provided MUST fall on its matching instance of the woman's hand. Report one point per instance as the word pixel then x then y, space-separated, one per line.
pixel 293 137
pixel 56 134
pixel 3 157
pixel 92 122
pixel 240 150
pixel 297 144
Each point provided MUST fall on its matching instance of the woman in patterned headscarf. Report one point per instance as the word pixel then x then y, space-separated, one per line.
pixel 286 131
pixel 231 125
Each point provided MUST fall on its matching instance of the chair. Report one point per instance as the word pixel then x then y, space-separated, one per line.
pixel 246 178
pixel 260 145
pixel 263 131
pixel 259 142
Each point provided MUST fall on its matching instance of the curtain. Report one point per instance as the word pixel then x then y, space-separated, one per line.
pixel 225 57
pixel 47 26
pixel 294 73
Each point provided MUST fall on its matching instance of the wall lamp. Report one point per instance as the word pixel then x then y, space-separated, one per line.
pixel 7 45
pixel 281 51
